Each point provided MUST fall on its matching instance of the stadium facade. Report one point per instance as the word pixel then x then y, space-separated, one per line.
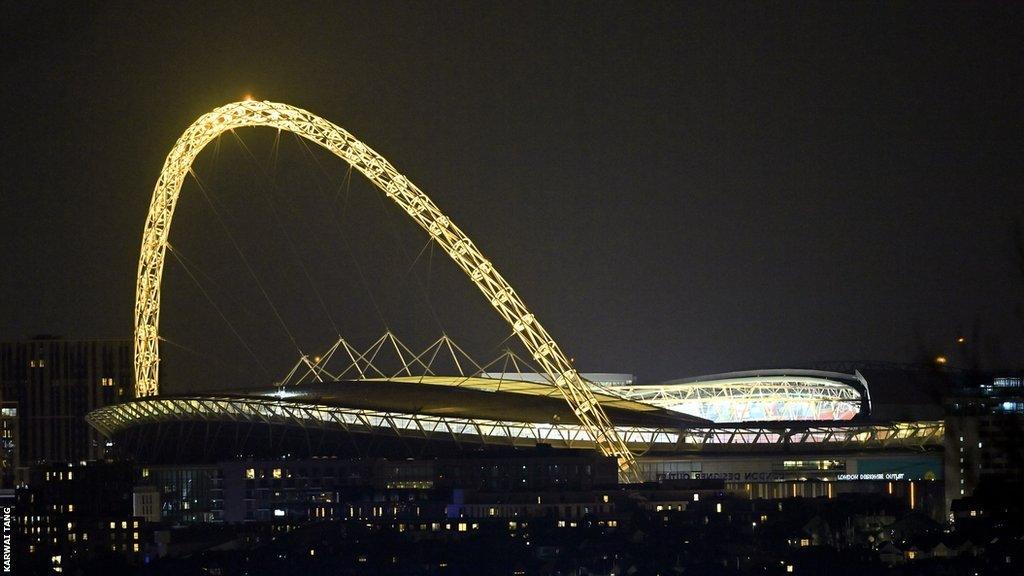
pixel 789 450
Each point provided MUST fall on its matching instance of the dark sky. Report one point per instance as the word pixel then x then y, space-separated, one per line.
pixel 674 189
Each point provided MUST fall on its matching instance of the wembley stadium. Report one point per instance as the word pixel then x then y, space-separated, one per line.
pixel 758 425
pixel 321 411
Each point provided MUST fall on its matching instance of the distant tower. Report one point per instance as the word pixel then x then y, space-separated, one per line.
pixel 48 385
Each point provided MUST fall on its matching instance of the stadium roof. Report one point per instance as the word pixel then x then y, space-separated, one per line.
pixel 468 397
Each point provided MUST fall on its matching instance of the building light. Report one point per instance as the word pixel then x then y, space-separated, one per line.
pixel 718 507
pixel 941 360
pixel 278 512
pixel 696 497
pixel 789 568
pixel 250 474
pixel 604 498
pixel 276 474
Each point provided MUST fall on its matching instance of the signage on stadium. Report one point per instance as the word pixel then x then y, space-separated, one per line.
pixel 873 476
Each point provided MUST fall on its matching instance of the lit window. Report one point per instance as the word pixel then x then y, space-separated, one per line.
pixel 250 474
pixel 604 498
pixel 277 474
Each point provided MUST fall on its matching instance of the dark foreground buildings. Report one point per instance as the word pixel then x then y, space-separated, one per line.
pixel 859 507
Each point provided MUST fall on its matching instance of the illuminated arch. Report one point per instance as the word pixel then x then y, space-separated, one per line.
pixel 399 189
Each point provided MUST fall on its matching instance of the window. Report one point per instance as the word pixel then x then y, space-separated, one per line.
pixel 277 474
pixel 250 474
pixel 107 382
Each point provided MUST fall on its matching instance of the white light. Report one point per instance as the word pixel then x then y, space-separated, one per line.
pixel 278 512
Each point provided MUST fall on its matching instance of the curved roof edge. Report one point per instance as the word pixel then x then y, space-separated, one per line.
pixel 853 379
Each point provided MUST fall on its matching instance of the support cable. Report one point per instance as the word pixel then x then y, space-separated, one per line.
pixel 267 197
pixel 202 289
pixel 347 181
pixel 398 241
pixel 245 261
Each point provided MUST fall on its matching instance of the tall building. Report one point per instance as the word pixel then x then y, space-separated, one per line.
pixel 984 427
pixel 49 385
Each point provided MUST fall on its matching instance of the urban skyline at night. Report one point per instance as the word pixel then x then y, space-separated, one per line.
pixel 571 288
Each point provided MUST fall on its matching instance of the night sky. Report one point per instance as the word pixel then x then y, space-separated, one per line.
pixel 674 189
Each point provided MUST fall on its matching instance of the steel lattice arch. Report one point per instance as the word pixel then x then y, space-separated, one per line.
pixel 417 205
pixel 504 404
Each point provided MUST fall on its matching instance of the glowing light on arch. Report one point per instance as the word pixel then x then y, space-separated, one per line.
pixel 399 189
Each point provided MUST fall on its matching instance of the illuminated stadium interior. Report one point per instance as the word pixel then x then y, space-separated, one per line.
pixel 759 396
